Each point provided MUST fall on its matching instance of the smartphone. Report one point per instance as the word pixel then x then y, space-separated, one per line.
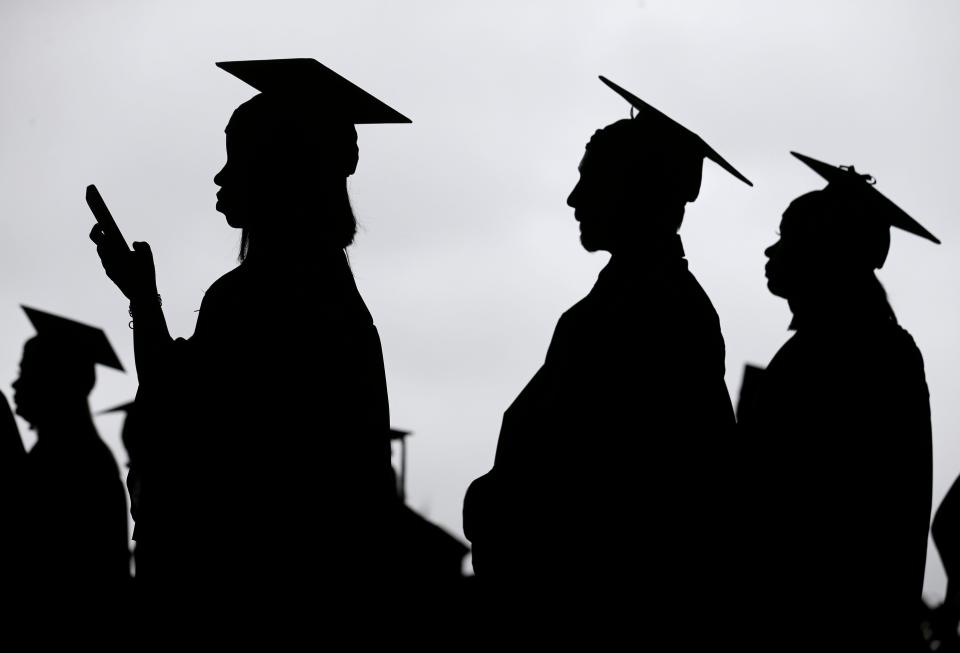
pixel 104 219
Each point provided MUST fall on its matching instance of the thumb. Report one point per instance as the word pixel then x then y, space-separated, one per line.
pixel 143 252
pixel 143 249
pixel 142 246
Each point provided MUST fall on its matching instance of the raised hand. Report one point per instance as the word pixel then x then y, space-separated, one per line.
pixel 133 272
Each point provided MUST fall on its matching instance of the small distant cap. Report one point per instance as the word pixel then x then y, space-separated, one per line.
pixel 397 434
pixel 848 180
pixel 122 408
pixel 80 339
pixel 684 136
pixel 310 82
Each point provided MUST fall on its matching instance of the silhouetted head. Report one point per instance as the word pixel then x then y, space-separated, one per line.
pixel 634 185
pixel 288 173
pixel 834 238
pixel 636 178
pixel 57 367
pixel 51 376
pixel 825 238
pixel 290 150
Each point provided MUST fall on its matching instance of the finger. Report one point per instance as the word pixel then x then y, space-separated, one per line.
pixel 143 248
pixel 102 253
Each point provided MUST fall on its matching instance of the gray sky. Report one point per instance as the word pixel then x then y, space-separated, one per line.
pixel 468 253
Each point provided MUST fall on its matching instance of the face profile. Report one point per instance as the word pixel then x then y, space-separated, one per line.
pixel 57 367
pixel 50 377
pixel 254 180
pixel 636 178
pixel 835 236
pixel 290 150
pixel 236 197
pixel 784 259
pixel 27 393
pixel 595 199
pixel 817 248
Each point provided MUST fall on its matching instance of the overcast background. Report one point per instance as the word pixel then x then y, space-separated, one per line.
pixel 468 254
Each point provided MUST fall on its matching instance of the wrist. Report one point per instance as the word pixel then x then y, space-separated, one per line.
pixel 143 302
pixel 144 297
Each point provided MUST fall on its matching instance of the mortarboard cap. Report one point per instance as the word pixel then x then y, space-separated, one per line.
pixel 690 140
pixel 82 340
pixel 309 82
pixel 847 179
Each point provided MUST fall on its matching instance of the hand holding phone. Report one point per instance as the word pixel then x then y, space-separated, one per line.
pixel 104 219
pixel 132 271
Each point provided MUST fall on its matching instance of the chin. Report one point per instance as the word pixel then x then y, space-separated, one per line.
pixel 588 245
pixel 234 221
pixel 589 240
pixel 592 245
pixel 775 289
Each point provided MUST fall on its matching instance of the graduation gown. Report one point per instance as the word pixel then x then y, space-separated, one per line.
pixel 605 476
pixel 267 461
pixel 838 445
pixel 75 520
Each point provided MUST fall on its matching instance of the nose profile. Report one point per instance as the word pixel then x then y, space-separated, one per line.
pixel 572 198
pixel 770 251
pixel 218 178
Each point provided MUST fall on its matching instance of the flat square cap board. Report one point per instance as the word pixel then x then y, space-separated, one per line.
pixel 846 179
pixel 85 341
pixel 684 137
pixel 309 82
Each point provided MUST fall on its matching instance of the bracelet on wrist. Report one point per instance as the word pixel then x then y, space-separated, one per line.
pixel 130 310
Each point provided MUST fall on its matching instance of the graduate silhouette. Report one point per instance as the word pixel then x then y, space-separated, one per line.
pixel 603 486
pixel 129 436
pixel 837 435
pixel 70 523
pixel 264 455
pixel 945 530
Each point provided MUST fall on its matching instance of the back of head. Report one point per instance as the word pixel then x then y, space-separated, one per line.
pixel 665 166
pixel 297 136
pixel 639 176
pixel 837 226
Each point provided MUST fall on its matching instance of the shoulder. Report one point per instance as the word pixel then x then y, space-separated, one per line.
pixel 886 342
pixel 902 350
pixel 882 356
pixel 227 286
pixel 903 341
pixel 693 301
pixel 672 302
pixel 222 299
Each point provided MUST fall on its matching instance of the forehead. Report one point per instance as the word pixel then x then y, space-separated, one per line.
pixel 604 160
pixel 29 349
pixel 36 354
pixel 583 160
